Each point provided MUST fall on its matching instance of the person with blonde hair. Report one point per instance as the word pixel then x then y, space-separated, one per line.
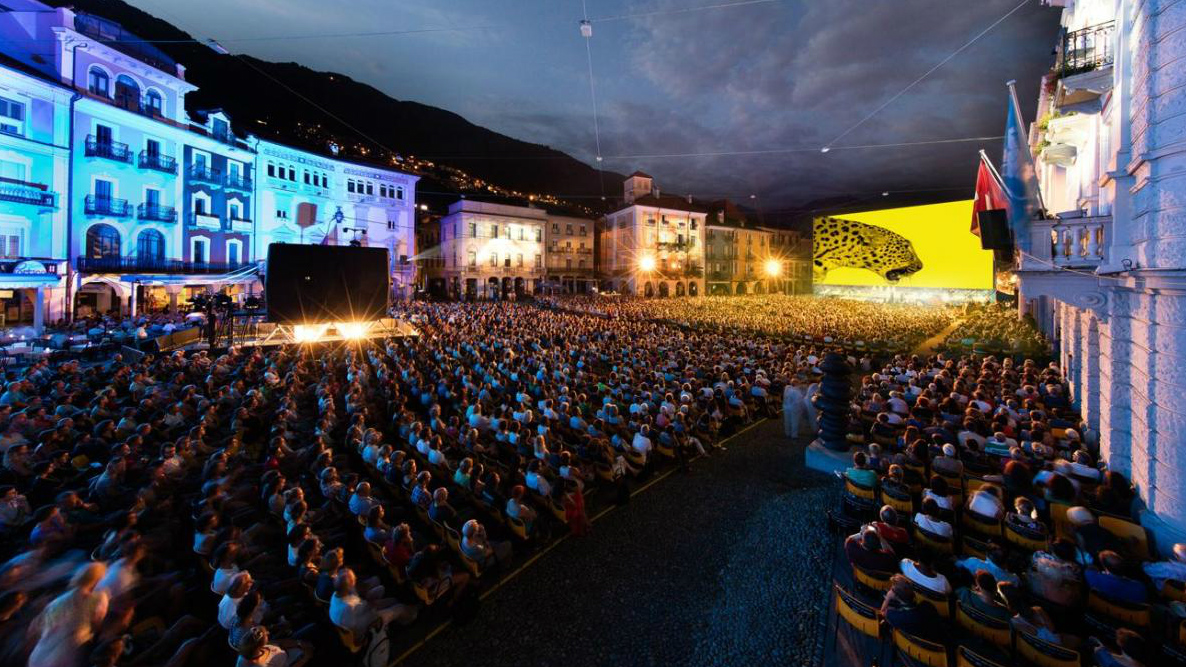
pixel 68 623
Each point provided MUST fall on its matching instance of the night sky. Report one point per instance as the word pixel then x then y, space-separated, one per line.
pixel 764 75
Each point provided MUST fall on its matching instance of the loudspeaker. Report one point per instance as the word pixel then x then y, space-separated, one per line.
pixel 308 284
pixel 994 229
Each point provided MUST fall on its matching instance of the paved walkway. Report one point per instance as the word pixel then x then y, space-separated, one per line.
pixel 930 345
pixel 727 565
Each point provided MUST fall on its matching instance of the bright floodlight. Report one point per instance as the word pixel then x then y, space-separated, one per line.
pixel 646 264
pixel 309 333
pixel 773 267
pixel 352 330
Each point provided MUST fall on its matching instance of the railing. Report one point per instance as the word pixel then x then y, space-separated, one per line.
pixel 111 150
pixel 570 271
pixel 205 174
pixel 152 265
pixel 238 182
pixel 1079 241
pixel 673 245
pixel 113 35
pixel 240 224
pixel 158 162
pixel 135 104
pixel 206 220
pixel 156 212
pixel 1086 49
pixel 23 192
pixel 116 208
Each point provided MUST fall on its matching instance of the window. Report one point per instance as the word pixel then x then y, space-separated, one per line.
pixel 390 224
pixel 519 260
pixel 583 230
pixel 507 262
pixel 473 258
pixel 103 135
pixel 324 181
pixel 581 263
pixel 271 170
pixel 235 210
pixel 555 228
pixel 152 197
pixel 292 174
pixel 150 246
pixel 473 230
pixel 520 233
pixel 307 178
pixel 350 185
pixel 493 259
pixel 281 214
pixel 199 206
pixel 198 253
pixel 568 229
pixel 152 148
pixel 12 116
pixel 493 231
pixel 221 129
pixel 154 103
pixel 568 263
pixel 370 188
pixel 98 82
pixel 539 260
pixel 104 190
pixel 102 241
pixel 399 193
pixel 539 234
pixel 234 252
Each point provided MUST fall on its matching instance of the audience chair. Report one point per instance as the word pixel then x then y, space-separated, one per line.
pixel 1041 653
pixel 966 657
pixel 941 603
pixel 931 542
pixel 871 579
pixel 1024 539
pixel 1132 535
pixel 981 525
pixel 920 651
pixel 1125 613
pixel 983 626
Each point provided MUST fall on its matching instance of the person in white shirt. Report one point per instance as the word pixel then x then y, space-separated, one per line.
pixel 986 502
pixel 1175 568
pixel 921 573
pixel 642 442
pixel 897 404
pixel 229 604
pixel 792 409
pixel 256 651
pixel 349 611
pixel 929 519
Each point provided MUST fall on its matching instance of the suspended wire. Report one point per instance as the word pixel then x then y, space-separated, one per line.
pixel 685 10
pixel 592 87
pixel 927 73
pixel 775 151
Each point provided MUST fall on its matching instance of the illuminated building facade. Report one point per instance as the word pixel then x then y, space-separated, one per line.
pixel 485 251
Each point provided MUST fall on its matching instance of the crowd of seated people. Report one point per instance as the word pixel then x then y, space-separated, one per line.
pixel 842 321
pixel 996 328
pixel 981 526
pixel 328 495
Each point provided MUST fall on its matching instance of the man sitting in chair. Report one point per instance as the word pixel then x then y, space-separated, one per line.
pixel 860 473
pixel 868 552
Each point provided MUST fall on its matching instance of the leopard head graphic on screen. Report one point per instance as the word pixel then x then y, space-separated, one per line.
pixel 840 243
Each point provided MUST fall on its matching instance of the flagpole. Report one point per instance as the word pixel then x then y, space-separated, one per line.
pixel 1012 84
pixel 993 170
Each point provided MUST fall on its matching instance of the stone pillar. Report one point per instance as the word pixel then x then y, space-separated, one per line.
pixel 1115 390
pixel 173 291
pixel 1089 382
pixel 39 309
pixel 132 305
pixel 833 402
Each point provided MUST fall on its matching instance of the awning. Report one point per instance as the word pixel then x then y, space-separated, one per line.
pixel 29 280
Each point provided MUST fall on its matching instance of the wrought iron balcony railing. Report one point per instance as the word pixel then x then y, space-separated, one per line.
pixel 1087 49
pixel 156 212
pixel 205 174
pixel 110 150
pixel 158 162
pixel 152 265
pixel 24 192
pixel 116 208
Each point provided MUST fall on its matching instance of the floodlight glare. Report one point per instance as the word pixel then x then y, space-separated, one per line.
pixel 646 264
pixel 773 268
pixel 352 330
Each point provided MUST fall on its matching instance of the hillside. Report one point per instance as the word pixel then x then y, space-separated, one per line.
pixel 247 89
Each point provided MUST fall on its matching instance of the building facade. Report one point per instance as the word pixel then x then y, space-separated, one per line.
pixel 307 197
pixel 1107 274
pixel 34 171
pixel 793 251
pixel 485 251
pixel 654 244
pixel 569 254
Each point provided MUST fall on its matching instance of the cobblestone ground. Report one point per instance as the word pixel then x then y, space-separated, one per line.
pixel 727 565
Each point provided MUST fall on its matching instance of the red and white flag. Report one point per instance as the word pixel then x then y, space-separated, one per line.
pixel 990 194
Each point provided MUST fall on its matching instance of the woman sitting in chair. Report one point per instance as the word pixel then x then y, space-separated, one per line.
pixel 256 651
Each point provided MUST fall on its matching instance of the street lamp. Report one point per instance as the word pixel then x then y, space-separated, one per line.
pixel 773 268
pixel 646 263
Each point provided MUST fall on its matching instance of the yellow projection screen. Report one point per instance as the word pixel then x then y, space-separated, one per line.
pixel 916 248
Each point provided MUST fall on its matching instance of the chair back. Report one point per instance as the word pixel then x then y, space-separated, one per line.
pixel 920 650
pixel 941 603
pixel 1132 535
pixel 1042 653
pixel 966 657
pixel 1062 526
pixel 1018 537
pixel 872 579
pixel 971 546
pixel 352 643
pixel 1174 590
pixel 983 626
pixel 932 542
pixel 517 527
pixel 861 616
pixel 981 524
pixel 858 490
pixel 1125 613
pixel 972 484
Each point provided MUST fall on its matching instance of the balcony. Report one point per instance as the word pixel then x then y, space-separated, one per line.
pixel 156 213
pixel 158 162
pixel 204 174
pixel 678 246
pixel 152 265
pixel 113 35
pixel 1086 49
pixel 205 221
pixel 1068 243
pixel 109 150
pixel 23 192
pixel 116 208
pixel 238 182
pixel 241 225
pixel 570 271
pixel 135 104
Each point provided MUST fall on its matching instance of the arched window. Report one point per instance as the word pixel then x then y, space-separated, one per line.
pixel 98 82
pixel 155 103
pixel 127 91
pixel 150 246
pixel 102 241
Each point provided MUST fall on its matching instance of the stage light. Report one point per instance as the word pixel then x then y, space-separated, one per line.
pixel 353 330
pixel 773 267
pixel 309 333
pixel 646 263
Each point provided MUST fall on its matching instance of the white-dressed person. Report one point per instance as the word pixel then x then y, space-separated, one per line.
pixel 350 611
pixel 792 409
pixel 68 623
pixel 809 411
